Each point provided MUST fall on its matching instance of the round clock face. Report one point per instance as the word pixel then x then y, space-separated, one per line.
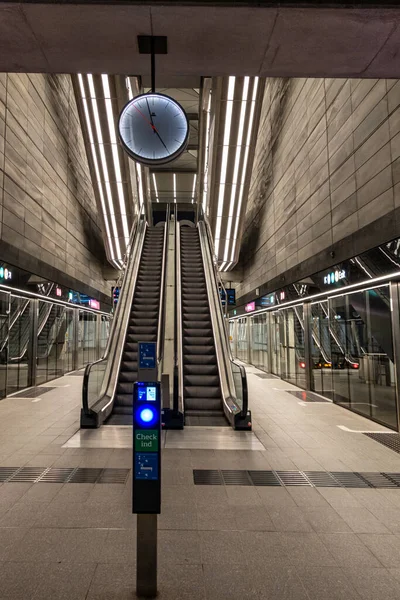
pixel 153 129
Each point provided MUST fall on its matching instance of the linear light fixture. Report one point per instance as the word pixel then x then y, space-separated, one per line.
pixel 206 157
pixel 96 167
pixel 244 168
pixel 236 166
pixel 104 165
pixel 174 187
pixel 224 161
pixel 140 185
pixel 155 187
pixel 114 148
pixel 194 187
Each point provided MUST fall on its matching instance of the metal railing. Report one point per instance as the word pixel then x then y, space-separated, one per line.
pixel 179 328
pixel 161 312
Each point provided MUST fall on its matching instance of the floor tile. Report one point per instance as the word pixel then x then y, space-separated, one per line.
pixel 348 550
pixel 327 583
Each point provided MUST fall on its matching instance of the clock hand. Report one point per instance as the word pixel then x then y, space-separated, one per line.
pixel 140 112
pixel 161 140
pixel 155 130
pixel 151 117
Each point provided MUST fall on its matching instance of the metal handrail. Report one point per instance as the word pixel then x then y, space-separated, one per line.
pixel 227 346
pixel 179 328
pixel 225 370
pixel 115 345
pixel 161 311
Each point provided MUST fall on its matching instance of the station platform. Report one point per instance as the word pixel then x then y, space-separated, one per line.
pixel 305 507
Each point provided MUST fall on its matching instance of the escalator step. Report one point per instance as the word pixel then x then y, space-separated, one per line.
pixel 197 369
pixel 197 341
pixel 197 333
pixel 202 350
pixel 203 403
pixel 128 376
pixel 202 391
pixel 200 380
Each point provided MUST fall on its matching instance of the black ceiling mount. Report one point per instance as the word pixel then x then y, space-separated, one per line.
pixel 159 43
pixel 152 44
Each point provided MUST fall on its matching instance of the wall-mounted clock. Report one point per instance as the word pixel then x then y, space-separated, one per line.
pixel 153 128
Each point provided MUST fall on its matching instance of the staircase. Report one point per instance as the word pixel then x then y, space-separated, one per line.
pixel 143 322
pixel 201 384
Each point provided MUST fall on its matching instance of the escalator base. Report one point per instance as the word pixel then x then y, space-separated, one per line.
pixel 116 419
pixel 206 421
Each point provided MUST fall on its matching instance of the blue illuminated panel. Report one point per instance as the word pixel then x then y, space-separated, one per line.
pixel 146 466
pixel 147 355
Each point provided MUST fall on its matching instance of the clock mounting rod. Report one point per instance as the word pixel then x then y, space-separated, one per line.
pixel 152 44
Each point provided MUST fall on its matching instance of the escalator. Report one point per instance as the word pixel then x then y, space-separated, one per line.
pixel 212 387
pixel 143 322
pixel 202 390
pixel 107 394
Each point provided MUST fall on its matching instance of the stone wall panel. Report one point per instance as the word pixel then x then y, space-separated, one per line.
pixel 327 164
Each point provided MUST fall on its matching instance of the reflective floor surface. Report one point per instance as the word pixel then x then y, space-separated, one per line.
pixel 201 438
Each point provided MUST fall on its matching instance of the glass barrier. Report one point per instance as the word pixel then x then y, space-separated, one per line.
pixel 239 378
pixel 94 377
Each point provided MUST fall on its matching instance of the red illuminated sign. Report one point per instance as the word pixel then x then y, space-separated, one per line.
pixel 94 304
pixel 250 306
pixel 58 292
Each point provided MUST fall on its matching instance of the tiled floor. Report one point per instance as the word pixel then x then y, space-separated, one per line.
pixel 77 541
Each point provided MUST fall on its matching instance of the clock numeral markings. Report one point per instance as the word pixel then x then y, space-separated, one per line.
pixel 166 106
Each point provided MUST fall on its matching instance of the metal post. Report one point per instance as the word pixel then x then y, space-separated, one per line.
pixel 395 314
pixel 75 329
pixel 307 344
pixel 269 340
pixel 153 66
pixel 146 556
pixel 33 338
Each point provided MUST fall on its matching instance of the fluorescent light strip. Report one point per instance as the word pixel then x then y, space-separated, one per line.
pixel 246 156
pixel 175 187
pixel 114 147
pixel 237 162
pixel 194 187
pixel 129 88
pixel 104 164
pixel 224 161
pixel 96 166
pixel 140 180
pixel 207 152
pixel 155 187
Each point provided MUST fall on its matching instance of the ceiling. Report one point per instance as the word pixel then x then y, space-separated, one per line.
pixel 209 39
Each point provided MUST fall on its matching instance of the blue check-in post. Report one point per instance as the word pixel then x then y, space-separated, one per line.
pixel 146 491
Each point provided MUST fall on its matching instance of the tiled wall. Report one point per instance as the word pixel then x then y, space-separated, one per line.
pixel 327 167
pixel 49 222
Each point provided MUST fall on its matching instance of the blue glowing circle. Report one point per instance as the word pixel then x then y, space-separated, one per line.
pixel 146 415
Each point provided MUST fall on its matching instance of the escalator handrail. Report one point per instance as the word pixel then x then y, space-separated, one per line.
pixel 222 348
pixel 161 310
pixel 225 320
pixel 114 346
pixel 179 327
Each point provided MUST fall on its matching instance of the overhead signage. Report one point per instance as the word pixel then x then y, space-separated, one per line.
pixel 250 307
pixel 268 300
pixel 94 304
pixel 5 273
pixel 231 293
pixel 334 276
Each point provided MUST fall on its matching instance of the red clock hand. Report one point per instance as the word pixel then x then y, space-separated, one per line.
pixel 147 121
